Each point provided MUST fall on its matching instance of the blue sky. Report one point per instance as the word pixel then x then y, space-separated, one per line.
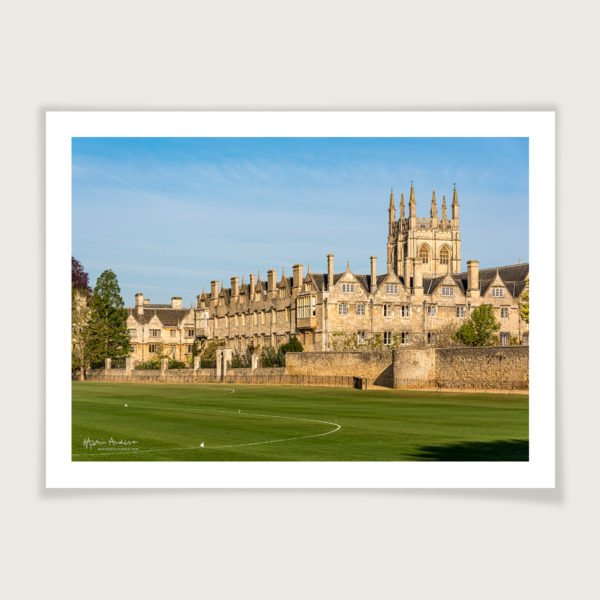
pixel 168 215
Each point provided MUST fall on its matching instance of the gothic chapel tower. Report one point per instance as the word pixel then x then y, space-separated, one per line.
pixel 433 240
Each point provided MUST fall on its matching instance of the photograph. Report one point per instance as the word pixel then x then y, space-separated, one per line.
pixel 272 299
pixel 299 299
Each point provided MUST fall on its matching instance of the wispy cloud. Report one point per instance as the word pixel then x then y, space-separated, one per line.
pixel 169 212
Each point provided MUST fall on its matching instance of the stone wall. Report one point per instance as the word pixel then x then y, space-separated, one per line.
pixel 375 367
pixel 492 368
pixel 495 367
pixel 413 365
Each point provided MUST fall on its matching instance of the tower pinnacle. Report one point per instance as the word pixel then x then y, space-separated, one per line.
pixel 412 205
pixel 455 206
pixel 433 207
pixel 391 213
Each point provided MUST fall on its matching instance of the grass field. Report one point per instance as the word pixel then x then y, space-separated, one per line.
pixel 243 422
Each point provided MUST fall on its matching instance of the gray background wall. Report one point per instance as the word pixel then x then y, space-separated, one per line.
pixel 261 55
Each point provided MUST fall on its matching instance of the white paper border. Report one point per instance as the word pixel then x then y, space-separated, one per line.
pixel 61 472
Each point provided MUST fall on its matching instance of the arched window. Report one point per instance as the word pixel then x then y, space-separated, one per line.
pixel 445 256
pixel 424 253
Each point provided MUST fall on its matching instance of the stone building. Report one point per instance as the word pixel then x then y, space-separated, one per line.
pixel 421 299
pixel 158 329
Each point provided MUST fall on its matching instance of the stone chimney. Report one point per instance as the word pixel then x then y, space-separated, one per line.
pixel 139 303
pixel 235 287
pixel 473 278
pixel 146 301
pixel 297 277
pixel 373 274
pixel 272 283
pixel 418 278
pixel 175 302
pixel 330 271
pixel 214 290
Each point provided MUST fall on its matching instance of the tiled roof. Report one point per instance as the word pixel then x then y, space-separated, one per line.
pixel 167 316
pixel 431 283
pixel 513 276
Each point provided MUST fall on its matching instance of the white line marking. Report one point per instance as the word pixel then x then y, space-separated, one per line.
pixel 202 446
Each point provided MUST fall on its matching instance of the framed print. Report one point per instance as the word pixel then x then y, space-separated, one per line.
pixel 300 299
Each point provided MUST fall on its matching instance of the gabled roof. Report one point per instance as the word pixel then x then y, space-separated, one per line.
pixel 285 282
pixel 514 278
pixel 167 316
pixel 320 280
pixel 430 283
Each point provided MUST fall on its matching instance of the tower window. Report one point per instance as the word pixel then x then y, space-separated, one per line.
pixel 445 255
pixel 424 254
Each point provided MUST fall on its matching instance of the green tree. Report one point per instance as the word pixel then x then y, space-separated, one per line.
pixel 480 329
pixel 107 327
pixel 271 358
pixel 524 303
pixel 209 356
pixel 293 345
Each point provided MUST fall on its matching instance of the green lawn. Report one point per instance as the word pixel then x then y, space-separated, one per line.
pixel 244 422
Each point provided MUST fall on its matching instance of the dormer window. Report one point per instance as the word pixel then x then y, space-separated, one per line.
pixel 447 290
pixel 497 292
pixel 391 289
pixel 347 288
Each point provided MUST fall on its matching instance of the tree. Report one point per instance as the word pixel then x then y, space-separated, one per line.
pixel 293 345
pixel 80 292
pixel 80 348
pixel 524 303
pixel 107 328
pixel 79 278
pixel 209 356
pixel 480 329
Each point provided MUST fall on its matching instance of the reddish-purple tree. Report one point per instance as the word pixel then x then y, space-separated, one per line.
pixel 79 278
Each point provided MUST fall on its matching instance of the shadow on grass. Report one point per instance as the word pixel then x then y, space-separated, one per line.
pixel 509 450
